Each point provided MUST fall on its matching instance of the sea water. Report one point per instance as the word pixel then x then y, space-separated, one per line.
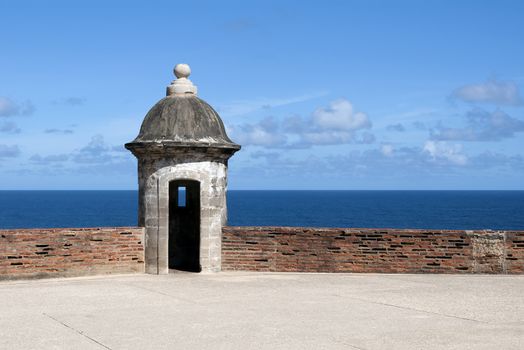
pixel 496 210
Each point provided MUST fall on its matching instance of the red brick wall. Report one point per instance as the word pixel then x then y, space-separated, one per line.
pixel 34 253
pixel 371 250
pixel 514 256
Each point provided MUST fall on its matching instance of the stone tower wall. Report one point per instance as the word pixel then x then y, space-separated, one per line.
pixel 154 178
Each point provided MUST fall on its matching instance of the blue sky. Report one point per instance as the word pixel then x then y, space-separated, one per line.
pixel 321 95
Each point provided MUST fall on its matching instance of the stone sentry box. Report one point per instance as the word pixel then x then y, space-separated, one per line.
pixel 182 144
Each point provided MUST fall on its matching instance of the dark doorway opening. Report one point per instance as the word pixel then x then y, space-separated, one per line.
pixel 184 225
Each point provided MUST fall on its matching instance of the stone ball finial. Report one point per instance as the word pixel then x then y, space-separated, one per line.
pixel 182 70
pixel 181 85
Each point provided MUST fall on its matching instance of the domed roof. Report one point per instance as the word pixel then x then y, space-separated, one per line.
pixel 183 119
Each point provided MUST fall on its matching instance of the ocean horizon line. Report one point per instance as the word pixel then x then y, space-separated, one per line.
pixel 282 190
pixel 438 209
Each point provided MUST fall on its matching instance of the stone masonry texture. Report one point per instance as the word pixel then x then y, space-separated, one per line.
pixel 300 249
pixel 58 252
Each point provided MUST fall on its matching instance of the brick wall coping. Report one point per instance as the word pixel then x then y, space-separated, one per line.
pixel 59 229
pixel 280 229
pixel 286 229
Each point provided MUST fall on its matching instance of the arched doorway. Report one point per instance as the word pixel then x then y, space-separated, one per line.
pixel 184 225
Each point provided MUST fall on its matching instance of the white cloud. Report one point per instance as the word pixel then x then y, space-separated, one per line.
pixel 7 151
pixel 481 126
pixel 491 91
pixel 339 115
pixel 413 166
pixel 97 158
pixel 97 151
pixel 442 151
pixel 366 138
pixel 335 124
pixel 261 137
pixel 387 150
pixel 9 108
pixel 396 127
pixel 263 133
pixel 9 128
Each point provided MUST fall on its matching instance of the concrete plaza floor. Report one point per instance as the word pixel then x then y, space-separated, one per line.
pixel 264 311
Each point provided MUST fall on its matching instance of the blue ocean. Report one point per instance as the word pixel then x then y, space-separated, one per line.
pixel 497 210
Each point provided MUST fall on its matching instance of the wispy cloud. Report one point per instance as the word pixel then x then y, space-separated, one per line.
pixel 71 101
pixel 491 91
pixel 396 127
pixel 9 128
pixel 59 131
pixel 9 151
pixel 50 158
pixel 265 155
pixel 97 157
pixel 237 108
pixel 419 125
pixel 97 151
pixel 416 115
pixel 481 126
pixel 10 108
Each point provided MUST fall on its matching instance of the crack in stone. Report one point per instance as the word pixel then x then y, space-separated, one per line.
pixel 347 344
pixel 76 330
pixel 162 293
pixel 412 309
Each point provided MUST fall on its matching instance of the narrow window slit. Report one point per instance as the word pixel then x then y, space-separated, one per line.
pixel 181 196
